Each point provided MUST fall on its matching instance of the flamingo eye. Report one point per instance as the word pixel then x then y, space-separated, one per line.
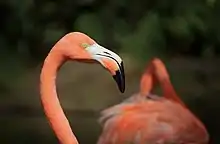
pixel 85 45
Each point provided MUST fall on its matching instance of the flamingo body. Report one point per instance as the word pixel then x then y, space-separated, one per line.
pixel 151 119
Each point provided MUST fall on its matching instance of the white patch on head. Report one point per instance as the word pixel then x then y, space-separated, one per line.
pixel 97 49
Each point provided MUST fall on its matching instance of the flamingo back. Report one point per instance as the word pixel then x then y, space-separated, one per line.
pixel 150 120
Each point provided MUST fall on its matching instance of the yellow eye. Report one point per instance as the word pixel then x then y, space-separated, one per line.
pixel 85 45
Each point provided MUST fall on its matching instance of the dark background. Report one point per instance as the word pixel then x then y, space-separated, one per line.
pixel 184 33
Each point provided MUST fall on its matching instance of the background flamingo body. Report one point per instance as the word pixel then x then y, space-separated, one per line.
pixel 145 118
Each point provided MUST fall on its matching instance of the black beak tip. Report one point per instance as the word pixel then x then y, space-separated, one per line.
pixel 119 77
pixel 120 83
pixel 122 90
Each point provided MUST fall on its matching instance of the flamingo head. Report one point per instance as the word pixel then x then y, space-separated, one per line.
pixel 87 50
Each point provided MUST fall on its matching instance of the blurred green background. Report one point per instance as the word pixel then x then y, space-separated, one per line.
pixel 184 33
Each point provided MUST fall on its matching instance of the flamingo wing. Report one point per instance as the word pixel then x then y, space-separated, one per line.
pixel 140 120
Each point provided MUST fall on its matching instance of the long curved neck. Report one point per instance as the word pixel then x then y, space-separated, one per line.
pixel 146 83
pixel 50 101
pixel 169 92
pixel 156 72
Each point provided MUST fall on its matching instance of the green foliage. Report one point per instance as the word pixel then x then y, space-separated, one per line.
pixel 147 40
pixel 53 33
pixel 32 27
pixel 90 24
pixel 210 2
pixel 179 27
pixel 121 28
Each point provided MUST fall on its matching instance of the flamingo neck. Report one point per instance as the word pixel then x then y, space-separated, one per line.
pixel 146 84
pixel 50 101
pixel 169 92
pixel 154 74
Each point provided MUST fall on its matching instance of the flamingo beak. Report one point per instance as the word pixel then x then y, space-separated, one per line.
pixel 119 77
pixel 110 61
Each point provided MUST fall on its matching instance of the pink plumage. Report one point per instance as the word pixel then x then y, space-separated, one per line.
pixel 145 118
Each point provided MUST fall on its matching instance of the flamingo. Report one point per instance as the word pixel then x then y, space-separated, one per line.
pixel 146 118
pixel 79 47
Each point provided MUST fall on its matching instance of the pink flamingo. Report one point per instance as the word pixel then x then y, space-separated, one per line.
pixel 145 118
pixel 78 47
